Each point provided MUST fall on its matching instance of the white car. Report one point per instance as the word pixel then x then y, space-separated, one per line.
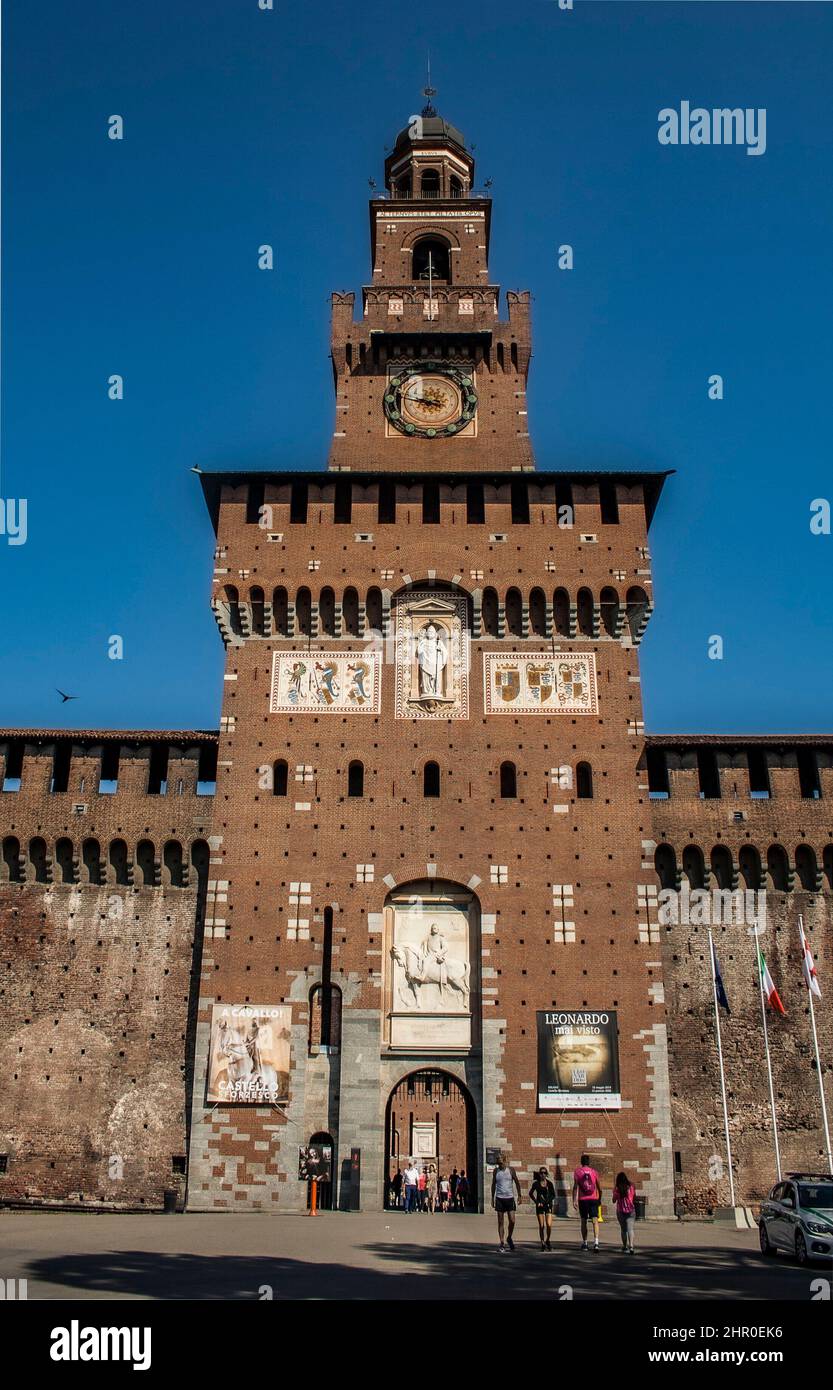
pixel 798 1217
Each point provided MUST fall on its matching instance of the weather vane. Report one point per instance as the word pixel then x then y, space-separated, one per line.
pixel 428 92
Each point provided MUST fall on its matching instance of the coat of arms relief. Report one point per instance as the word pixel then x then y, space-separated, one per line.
pixel 432 656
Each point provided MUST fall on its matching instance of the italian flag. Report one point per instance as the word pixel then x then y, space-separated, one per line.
pixel 808 965
pixel 772 996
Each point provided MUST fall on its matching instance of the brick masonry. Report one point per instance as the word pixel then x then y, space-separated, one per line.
pixel 280 888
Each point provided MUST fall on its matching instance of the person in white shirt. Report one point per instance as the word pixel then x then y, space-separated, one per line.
pixel 504 1185
pixel 411 1187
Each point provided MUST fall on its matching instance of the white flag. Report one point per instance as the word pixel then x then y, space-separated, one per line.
pixel 808 965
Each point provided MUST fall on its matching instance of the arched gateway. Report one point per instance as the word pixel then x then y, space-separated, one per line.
pixel 431 1029
pixel 431 1118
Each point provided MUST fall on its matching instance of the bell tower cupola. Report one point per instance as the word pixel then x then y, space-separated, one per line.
pixel 429 376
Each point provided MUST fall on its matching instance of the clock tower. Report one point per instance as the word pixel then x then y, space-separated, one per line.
pixel 430 359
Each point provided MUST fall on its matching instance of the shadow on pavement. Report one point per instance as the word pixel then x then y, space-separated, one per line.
pixel 463 1270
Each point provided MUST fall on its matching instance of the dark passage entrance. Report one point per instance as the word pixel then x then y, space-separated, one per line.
pixel 430 1117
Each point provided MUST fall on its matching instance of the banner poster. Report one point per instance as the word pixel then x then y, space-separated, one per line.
pixel 578 1060
pixel 249 1059
pixel 315 1161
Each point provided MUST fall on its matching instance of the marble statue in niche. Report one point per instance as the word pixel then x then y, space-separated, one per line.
pixel 431 655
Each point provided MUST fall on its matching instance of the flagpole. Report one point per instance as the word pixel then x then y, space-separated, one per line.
pixel 722 1076
pixel 804 948
pixel 768 1062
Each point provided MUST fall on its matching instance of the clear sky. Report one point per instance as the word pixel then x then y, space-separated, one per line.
pixel 245 126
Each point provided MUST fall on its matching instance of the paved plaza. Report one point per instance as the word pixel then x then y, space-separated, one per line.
pixel 384 1255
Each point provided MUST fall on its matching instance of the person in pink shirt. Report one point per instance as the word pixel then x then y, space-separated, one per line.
pixel 624 1194
pixel 587 1196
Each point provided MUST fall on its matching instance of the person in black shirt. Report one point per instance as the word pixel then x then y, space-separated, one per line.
pixel 542 1193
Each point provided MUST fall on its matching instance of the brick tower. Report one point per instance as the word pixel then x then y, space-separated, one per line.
pixel 428 847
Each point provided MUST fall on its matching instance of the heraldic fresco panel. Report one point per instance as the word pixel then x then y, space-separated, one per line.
pixel 539 683
pixel 345 682
pixel 432 656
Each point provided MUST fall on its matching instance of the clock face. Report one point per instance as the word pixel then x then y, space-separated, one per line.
pixel 430 401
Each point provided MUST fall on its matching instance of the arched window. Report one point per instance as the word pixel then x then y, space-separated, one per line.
pixel 429 184
pixel 303 612
pixel 11 860
pixel 327 612
pixel 806 866
pixel 585 612
pixel 258 603
pixel 355 779
pixel 609 606
pixel 402 189
pixel 280 777
pixel 514 613
pixel 91 859
pixel 665 863
pixel 373 610
pixel 63 858
pixel 584 782
pixel 636 612
pixel 489 613
pixel 350 613
pixel 145 856
pixel 455 187
pixel 280 612
pixel 508 781
pixel 119 869
pixel 431 779
pixel 431 251
pixel 778 869
pixel 538 613
pixel 324 1019
pixel 749 865
pixel 38 859
pixel 721 866
pixel 200 856
pixel 325 999
pixel 694 866
pixel 561 612
pixel 172 857
pixel 232 601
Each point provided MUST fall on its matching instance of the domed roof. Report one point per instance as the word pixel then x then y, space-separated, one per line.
pixel 434 127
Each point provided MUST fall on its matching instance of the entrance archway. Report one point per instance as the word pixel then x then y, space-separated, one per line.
pixel 324 1195
pixel 430 1117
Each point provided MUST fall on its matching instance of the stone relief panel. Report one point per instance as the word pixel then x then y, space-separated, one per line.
pixel 539 683
pixel 429 975
pixel 314 681
pixel 432 656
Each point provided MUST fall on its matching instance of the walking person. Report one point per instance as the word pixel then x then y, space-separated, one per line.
pixel 411 1187
pixel 462 1190
pixel 423 1185
pixel 452 1187
pixel 542 1193
pixel 431 1189
pixel 444 1191
pixel 624 1194
pixel 587 1197
pixel 504 1185
pixel 396 1189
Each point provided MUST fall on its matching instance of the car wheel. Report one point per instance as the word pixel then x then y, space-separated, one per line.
pixel 766 1247
pixel 801 1248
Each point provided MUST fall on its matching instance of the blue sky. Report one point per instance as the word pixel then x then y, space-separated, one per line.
pixel 244 126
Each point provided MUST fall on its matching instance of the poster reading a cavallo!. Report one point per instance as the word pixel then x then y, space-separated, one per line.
pixel 249 1053
pixel 578 1060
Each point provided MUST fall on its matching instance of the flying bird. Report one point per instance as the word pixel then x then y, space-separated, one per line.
pixel 64 697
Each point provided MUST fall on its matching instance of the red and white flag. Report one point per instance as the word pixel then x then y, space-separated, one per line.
pixel 808 965
pixel 772 996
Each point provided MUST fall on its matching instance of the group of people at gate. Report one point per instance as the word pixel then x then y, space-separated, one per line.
pixel 425 1189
